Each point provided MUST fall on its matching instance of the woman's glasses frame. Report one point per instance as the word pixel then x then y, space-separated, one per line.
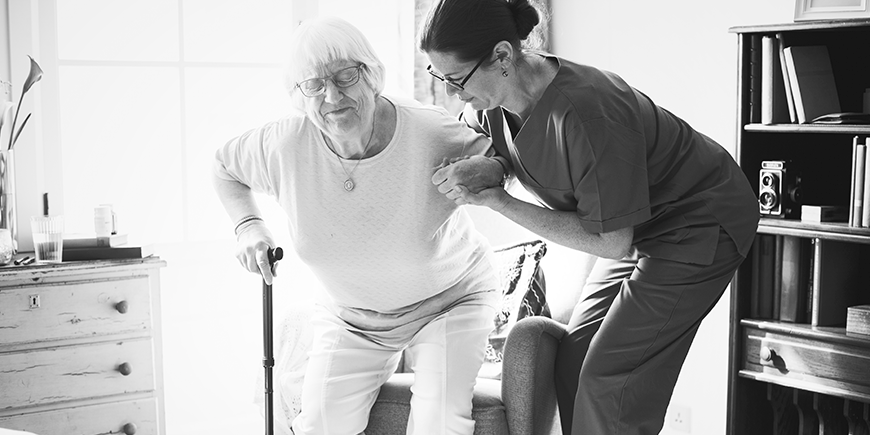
pixel 322 81
pixel 449 82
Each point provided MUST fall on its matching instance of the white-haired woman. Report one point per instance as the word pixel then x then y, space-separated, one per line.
pixel 402 266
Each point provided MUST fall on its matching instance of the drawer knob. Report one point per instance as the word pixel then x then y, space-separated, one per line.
pixel 767 354
pixel 129 429
pixel 122 307
pixel 125 369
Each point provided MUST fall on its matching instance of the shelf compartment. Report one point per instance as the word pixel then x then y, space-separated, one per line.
pixel 857 129
pixel 828 231
pixel 825 360
pixel 815 25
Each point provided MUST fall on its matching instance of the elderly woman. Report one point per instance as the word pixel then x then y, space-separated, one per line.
pixel 402 266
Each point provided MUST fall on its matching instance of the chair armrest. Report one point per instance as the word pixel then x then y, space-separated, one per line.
pixel 528 382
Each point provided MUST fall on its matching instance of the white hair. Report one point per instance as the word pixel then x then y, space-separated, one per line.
pixel 317 42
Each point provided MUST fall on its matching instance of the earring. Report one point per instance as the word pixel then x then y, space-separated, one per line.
pixel 504 73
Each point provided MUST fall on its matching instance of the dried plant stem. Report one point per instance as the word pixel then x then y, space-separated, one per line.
pixel 14 121
pixel 19 130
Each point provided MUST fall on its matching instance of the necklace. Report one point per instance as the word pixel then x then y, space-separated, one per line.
pixel 348 183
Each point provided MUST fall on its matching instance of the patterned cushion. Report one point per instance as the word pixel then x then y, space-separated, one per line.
pixel 523 295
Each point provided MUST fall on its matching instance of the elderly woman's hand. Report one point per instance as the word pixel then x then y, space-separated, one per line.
pixel 252 247
pixel 475 173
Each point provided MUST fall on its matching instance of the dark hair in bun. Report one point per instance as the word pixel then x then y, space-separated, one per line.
pixel 470 28
pixel 526 17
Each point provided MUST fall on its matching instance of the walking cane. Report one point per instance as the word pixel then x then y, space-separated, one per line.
pixel 268 360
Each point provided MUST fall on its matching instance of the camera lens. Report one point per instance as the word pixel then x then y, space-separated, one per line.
pixel 767 200
pixel 795 194
pixel 767 180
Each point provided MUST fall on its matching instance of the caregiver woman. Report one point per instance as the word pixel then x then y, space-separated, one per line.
pixel 666 208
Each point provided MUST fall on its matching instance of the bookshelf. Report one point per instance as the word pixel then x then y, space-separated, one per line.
pixel 808 376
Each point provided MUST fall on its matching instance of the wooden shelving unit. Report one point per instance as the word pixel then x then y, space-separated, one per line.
pixel 810 377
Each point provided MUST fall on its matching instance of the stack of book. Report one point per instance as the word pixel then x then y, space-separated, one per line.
pixel 83 247
pixel 798 280
pixel 824 213
pixel 859 196
pixel 781 278
pixel 798 85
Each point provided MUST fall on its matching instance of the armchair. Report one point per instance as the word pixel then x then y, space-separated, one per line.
pixel 523 402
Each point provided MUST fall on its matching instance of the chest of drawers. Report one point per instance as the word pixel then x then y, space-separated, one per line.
pixel 80 348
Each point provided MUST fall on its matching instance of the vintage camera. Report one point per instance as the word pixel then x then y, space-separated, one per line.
pixel 779 189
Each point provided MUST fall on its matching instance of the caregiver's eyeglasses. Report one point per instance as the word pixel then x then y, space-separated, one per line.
pixel 449 82
pixel 343 78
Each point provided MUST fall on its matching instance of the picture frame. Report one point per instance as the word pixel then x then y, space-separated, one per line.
pixel 808 10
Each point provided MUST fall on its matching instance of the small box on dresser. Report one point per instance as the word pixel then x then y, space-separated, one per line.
pixel 858 320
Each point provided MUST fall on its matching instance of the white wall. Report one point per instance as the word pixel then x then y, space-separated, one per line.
pixel 4 40
pixel 681 54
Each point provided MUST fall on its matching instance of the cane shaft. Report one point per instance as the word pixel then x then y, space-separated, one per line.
pixel 268 358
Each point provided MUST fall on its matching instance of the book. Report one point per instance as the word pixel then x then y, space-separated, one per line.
pixel 865 202
pixel 811 285
pixel 852 181
pixel 755 79
pixel 858 185
pixel 796 254
pixel 755 280
pixel 93 241
pixel 811 77
pixel 858 320
pixel 777 275
pixel 824 213
pixel 774 105
pixel 764 286
pixel 107 252
pixel 786 82
pixel 844 118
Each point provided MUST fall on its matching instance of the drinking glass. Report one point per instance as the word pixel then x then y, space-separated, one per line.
pixel 7 251
pixel 47 238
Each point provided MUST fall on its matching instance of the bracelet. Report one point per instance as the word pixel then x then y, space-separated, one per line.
pixel 245 220
pixel 504 168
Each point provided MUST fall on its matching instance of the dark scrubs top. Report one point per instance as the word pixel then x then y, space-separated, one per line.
pixel 596 145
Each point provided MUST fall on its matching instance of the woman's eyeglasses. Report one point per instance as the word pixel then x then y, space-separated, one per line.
pixel 449 82
pixel 343 78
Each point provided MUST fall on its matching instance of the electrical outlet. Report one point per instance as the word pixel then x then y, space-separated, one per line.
pixel 680 418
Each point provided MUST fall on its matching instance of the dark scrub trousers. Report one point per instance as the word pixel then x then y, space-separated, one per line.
pixel 637 318
pixel 596 146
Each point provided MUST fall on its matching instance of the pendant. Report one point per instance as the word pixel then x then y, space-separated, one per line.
pixel 348 185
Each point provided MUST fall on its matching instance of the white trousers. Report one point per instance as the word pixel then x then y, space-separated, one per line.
pixel 347 368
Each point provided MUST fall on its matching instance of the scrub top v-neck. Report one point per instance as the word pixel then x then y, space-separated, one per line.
pixel 595 145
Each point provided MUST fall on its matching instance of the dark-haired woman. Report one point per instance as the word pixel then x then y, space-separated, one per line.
pixel 665 208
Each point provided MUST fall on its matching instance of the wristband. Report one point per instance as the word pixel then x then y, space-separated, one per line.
pixel 504 168
pixel 245 220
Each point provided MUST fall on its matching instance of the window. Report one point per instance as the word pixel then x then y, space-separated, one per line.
pixel 138 94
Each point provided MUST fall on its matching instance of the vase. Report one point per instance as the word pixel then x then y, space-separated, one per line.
pixel 8 217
